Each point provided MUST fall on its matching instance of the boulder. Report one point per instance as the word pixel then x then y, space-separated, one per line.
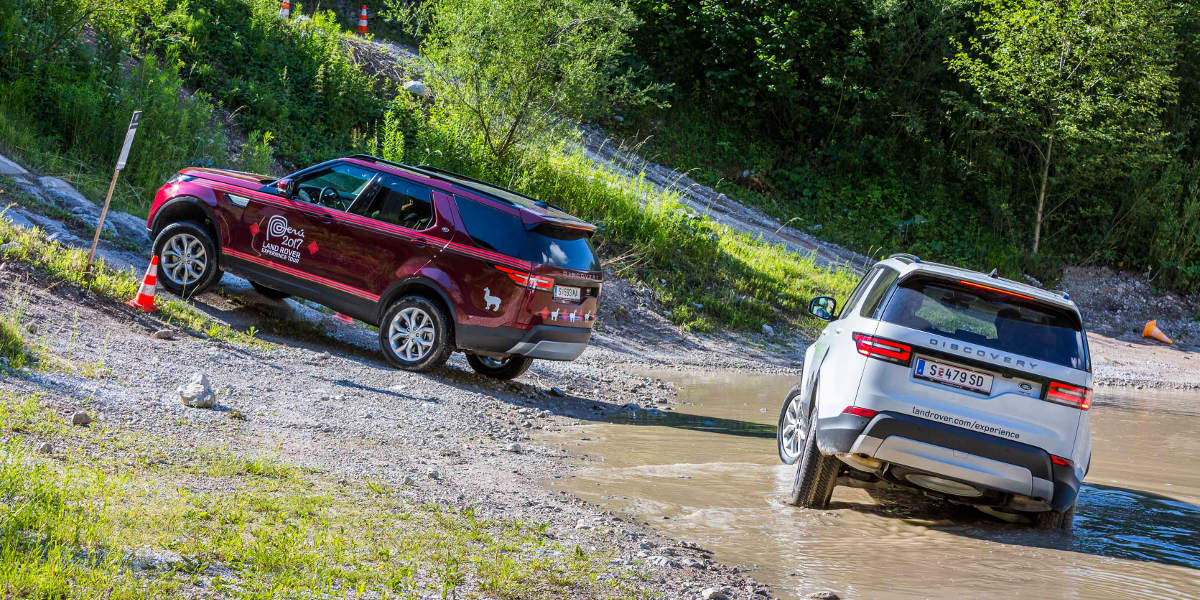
pixel 81 419
pixel 197 393
pixel 417 88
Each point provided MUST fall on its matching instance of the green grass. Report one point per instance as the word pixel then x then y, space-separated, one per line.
pixel 72 522
pixel 66 264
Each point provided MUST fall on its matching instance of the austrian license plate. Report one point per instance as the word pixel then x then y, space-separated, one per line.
pixel 567 292
pixel 953 375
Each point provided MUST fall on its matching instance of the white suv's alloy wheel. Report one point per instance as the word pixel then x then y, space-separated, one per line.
pixel 411 334
pixel 794 431
pixel 184 259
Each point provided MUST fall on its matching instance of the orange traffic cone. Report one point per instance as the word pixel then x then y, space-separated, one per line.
pixel 362 22
pixel 1151 330
pixel 285 10
pixel 145 296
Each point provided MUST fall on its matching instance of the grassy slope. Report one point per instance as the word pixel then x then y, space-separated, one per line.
pixel 248 527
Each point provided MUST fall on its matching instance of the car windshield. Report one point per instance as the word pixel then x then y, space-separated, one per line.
pixel 991 318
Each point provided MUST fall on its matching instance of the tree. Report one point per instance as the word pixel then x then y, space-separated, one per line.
pixel 1081 82
pixel 512 71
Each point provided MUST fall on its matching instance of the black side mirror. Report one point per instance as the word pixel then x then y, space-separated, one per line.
pixel 823 307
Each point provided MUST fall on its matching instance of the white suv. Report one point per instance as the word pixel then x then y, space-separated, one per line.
pixel 968 386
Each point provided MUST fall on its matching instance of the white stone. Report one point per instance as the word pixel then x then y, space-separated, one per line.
pixel 197 393
pixel 8 167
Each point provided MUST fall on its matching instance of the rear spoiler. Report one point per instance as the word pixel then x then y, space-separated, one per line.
pixel 560 222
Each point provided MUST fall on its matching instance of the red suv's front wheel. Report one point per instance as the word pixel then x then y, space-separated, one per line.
pixel 414 334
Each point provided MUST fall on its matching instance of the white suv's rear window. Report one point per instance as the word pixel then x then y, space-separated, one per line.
pixel 994 319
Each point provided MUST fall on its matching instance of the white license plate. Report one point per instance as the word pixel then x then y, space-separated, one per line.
pixel 567 292
pixel 953 375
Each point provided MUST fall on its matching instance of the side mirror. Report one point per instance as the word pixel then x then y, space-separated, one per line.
pixel 283 186
pixel 823 307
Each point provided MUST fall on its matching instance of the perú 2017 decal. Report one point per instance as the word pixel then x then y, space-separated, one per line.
pixel 282 241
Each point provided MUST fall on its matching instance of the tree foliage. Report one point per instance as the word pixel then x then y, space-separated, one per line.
pixel 514 71
pixel 1083 82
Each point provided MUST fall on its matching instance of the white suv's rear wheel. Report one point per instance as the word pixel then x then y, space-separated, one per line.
pixel 1054 519
pixel 816 474
pixel 792 432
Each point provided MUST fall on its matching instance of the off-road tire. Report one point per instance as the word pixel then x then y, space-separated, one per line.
pixel 267 292
pixel 816 474
pixel 513 366
pixel 1055 519
pixel 793 395
pixel 212 270
pixel 442 346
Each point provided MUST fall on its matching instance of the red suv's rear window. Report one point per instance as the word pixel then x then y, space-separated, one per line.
pixel 545 244
pixel 989 318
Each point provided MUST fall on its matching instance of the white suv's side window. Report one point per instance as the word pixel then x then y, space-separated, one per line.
pixel 879 289
pixel 863 286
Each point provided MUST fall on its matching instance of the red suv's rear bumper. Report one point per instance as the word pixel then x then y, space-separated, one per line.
pixel 547 342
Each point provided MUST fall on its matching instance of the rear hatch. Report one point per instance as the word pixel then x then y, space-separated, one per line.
pixel 568 272
pixel 979 357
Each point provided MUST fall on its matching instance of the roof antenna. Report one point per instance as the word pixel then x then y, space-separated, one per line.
pixel 993 274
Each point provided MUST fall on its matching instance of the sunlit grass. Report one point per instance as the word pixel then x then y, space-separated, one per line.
pixel 258 528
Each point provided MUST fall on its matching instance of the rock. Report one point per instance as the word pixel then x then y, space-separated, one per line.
pixel 662 561
pixel 10 168
pixel 714 594
pixel 197 393
pixel 322 356
pixel 768 330
pixel 432 474
pixel 417 88
pixel 824 595
pixel 513 447
pixel 557 392
pixel 619 118
pixel 408 480
pixel 692 563
pixel 660 400
pixel 144 559
pixel 81 419
pixel 45 448
pixel 163 334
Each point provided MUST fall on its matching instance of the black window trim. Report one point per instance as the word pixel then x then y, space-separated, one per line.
pixel 377 182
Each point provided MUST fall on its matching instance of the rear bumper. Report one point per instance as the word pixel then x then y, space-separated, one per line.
pixel 984 460
pixel 546 342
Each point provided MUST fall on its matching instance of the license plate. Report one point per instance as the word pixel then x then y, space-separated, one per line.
pixel 567 292
pixel 953 375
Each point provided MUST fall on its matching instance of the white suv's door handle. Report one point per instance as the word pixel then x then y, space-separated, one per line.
pixel 839 330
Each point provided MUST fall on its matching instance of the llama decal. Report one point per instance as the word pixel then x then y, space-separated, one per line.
pixel 554 315
pixel 493 302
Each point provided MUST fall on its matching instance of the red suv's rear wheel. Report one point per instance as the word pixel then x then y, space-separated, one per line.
pixel 509 367
pixel 414 335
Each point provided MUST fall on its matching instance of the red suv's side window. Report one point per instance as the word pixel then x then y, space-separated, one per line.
pixel 402 202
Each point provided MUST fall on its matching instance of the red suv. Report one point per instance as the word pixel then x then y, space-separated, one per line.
pixel 439 261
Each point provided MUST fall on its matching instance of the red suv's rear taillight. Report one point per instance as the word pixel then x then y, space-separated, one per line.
pixel 1070 395
pixel 883 349
pixel 529 280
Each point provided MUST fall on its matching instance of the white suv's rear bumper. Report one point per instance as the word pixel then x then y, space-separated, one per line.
pixel 985 461
pixel 986 472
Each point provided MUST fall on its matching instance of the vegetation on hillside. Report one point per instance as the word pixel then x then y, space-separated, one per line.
pixel 922 126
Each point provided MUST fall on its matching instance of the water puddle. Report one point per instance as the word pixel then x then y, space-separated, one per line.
pixel 708 473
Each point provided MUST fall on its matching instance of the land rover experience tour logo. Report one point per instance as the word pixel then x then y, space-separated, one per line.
pixel 281 240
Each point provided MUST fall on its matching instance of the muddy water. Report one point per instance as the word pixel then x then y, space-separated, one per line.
pixel 708 473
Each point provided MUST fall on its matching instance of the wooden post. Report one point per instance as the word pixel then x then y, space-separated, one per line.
pixel 112 185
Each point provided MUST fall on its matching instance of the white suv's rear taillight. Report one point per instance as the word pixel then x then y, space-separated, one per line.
pixel 1069 395
pixel 883 349
pixel 529 280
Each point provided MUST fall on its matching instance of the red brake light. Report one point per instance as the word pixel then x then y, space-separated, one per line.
pixel 993 289
pixel 529 280
pixel 883 349
pixel 1063 462
pixel 860 412
pixel 1070 395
